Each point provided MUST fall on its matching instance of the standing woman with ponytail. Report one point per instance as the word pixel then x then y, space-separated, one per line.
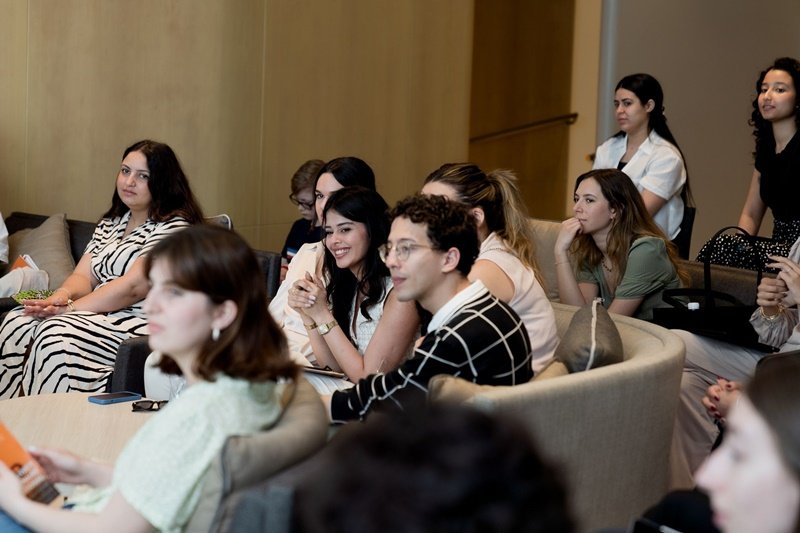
pixel 506 263
pixel 647 152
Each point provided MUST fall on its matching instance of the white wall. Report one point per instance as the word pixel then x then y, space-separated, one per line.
pixel 707 55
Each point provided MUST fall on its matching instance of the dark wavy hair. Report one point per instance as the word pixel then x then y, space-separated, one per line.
pixel 362 205
pixel 762 128
pixel 449 225
pixel 443 469
pixel 220 264
pixel 646 88
pixel 632 222
pixel 169 188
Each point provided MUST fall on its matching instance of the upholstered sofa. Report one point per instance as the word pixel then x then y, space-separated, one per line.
pixel 608 428
pixel 57 244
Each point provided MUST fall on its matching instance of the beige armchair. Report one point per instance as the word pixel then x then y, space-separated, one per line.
pixel 608 428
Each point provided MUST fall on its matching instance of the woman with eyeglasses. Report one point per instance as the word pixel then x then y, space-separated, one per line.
pixel 507 260
pixel 206 312
pixel 305 229
pixel 354 321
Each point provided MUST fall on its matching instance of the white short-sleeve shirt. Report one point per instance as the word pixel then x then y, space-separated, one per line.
pixel 657 166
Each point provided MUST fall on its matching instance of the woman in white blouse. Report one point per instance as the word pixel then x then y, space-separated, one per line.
pixel 647 152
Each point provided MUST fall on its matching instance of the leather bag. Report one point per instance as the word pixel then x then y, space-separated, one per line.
pixel 719 315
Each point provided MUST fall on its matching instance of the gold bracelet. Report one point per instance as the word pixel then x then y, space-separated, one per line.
pixel 63 289
pixel 770 317
pixel 311 326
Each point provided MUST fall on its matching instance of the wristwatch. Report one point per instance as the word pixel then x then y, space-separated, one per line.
pixel 323 329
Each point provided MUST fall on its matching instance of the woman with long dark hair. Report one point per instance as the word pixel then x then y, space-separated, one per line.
pixel 68 342
pixel 354 321
pixel 334 175
pixel 775 183
pixel 645 149
pixel 617 250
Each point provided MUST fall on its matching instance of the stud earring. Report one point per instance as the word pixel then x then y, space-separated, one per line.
pixel 215 334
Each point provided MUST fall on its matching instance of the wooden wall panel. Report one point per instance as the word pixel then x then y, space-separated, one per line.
pixel 243 91
pixel 521 71
pixel 540 160
pixel 383 80
pixel 13 96
pixel 105 74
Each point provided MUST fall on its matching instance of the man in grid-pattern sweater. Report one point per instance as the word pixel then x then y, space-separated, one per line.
pixel 473 335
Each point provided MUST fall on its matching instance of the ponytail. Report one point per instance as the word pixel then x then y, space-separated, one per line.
pixel 658 123
pixel 516 229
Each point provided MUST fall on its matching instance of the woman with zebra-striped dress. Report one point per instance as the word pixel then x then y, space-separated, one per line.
pixel 68 342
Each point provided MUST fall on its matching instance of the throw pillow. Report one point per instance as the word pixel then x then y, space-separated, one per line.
pixel 13 246
pixel 591 340
pixel 48 246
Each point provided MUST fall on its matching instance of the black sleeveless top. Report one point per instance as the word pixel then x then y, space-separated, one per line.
pixel 780 188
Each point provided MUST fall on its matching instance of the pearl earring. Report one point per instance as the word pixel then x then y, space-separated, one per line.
pixel 215 334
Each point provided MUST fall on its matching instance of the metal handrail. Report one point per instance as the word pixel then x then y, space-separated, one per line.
pixel 516 130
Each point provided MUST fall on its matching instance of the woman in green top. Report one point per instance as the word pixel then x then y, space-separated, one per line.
pixel 618 252
pixel 207 315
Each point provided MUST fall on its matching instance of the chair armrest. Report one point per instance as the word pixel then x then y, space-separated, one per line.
pixel 6 305
pixel 128 372
pixel 270 263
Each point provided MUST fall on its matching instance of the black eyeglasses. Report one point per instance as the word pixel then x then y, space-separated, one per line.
pixel 300 203
pixel 148 405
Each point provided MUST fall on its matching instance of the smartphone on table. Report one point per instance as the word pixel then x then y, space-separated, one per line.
pixel 115 397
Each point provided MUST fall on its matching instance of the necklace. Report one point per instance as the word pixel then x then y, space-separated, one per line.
pixel 607 268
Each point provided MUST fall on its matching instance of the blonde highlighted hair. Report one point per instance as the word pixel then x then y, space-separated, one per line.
pixel 498 195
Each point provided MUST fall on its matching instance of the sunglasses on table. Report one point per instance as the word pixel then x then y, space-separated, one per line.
pixel 148 405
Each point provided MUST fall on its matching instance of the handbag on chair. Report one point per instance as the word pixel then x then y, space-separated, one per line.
pixel 711 313
pixel 741 250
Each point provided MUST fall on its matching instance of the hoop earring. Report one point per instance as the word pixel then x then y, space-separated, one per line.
pixel 215 334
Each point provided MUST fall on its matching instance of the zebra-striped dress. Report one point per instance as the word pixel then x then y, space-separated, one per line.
pixel 75 351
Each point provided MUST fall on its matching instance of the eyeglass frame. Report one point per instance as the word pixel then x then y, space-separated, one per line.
pixel 155 405
pixel 401 254
pixel 306 205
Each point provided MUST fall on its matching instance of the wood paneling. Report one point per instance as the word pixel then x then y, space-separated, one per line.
pixel 13 96
pixel 243 91
pixel 539 158
pixel 382 80
pixel 521 70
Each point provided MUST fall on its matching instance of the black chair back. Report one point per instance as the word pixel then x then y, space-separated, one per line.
pixel 684 239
